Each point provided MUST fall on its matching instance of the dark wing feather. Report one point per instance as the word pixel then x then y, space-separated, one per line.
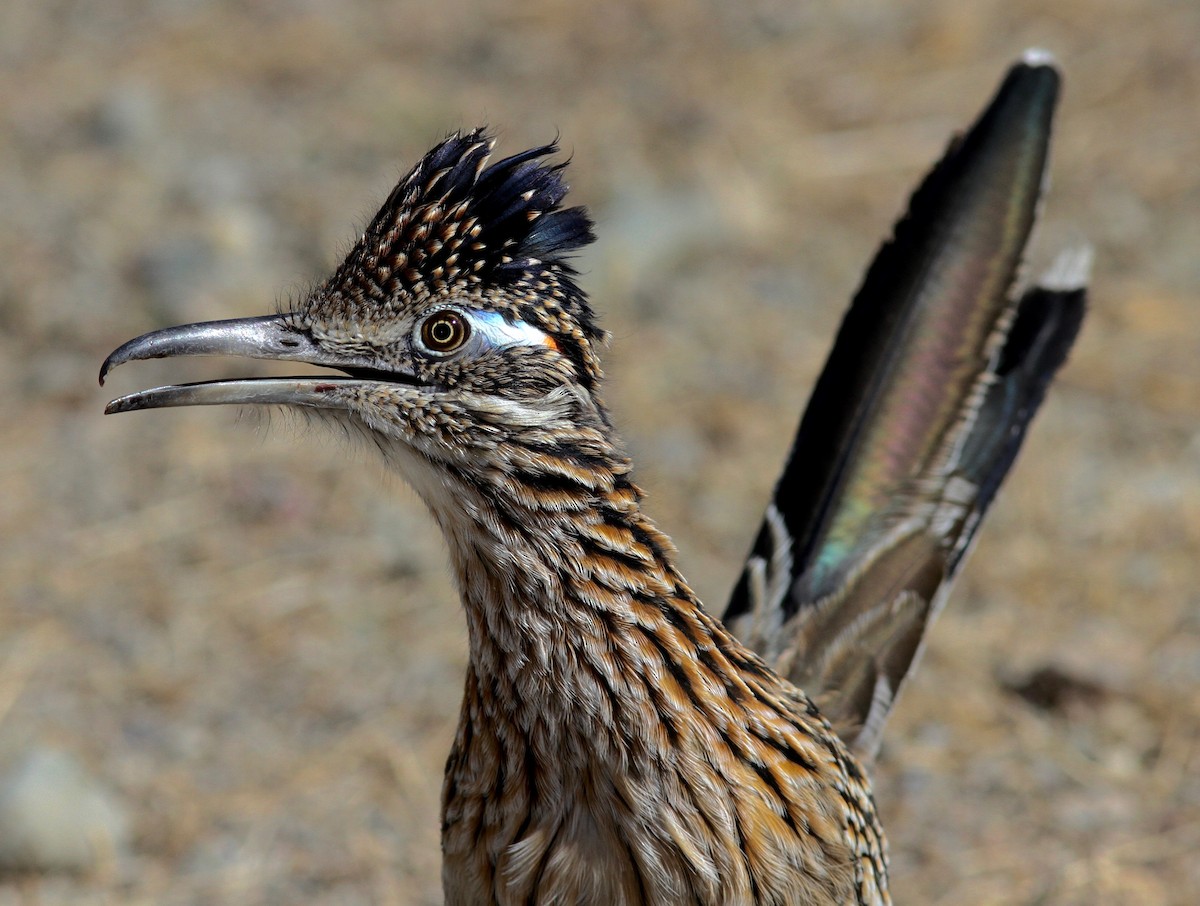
pixel 917 417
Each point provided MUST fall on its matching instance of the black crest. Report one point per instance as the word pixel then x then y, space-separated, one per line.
pixel 454 219
pixel 456 224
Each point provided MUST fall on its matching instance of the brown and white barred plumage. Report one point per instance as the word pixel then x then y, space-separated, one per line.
pixel 617 745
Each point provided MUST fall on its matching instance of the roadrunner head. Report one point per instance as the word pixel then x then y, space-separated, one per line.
pixel 455 318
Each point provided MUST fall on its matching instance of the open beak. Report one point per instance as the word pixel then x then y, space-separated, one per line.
pixel 268 337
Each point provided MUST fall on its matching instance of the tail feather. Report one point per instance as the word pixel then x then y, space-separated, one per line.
pixel 916 419
pixel 1048 320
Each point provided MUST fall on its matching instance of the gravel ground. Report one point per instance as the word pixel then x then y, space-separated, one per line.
pixel 256 656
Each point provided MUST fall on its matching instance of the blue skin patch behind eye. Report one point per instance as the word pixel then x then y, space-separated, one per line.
pixel 499 331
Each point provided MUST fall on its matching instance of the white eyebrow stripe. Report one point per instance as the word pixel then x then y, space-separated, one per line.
pixel 501 332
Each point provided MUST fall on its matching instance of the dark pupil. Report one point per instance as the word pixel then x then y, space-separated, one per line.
pixel 442 332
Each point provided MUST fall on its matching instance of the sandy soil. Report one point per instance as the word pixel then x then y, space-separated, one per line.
pixel 228 624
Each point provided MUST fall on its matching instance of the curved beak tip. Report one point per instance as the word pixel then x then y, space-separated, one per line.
pixel 107 366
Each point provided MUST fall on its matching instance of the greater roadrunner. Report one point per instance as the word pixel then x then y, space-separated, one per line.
pixel 617 743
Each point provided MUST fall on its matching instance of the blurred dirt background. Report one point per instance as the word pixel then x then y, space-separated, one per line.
pixel 241 633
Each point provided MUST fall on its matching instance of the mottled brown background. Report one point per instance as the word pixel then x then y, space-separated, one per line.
pixel 247 631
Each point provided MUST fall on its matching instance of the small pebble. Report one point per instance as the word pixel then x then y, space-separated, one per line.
pixel 54 817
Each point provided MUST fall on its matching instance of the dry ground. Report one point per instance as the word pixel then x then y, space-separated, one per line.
pixel 227 621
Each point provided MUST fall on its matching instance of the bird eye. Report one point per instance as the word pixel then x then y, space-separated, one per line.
pixel 444 331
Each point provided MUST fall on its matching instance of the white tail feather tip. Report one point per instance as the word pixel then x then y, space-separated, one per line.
pixel 1037 56
pixel 1070 270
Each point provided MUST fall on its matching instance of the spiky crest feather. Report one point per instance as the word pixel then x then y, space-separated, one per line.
pixel 456 226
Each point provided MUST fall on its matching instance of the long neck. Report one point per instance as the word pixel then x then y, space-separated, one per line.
pixel 602 700
pixel 578 617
